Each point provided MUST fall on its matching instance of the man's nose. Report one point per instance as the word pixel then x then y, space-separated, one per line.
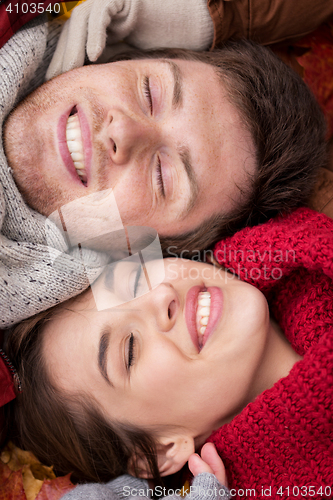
pixel 129 136
pixel 165 306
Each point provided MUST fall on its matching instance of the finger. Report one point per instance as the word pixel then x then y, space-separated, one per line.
pixel 211 457
pixel 55 67
pixel 75 52
pixel 197 465
pixel 99 20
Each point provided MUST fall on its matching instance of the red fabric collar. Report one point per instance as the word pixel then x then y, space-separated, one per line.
pixel 7 389
pixel 12 17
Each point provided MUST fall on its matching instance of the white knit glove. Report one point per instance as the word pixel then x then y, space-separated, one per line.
pixel 145 24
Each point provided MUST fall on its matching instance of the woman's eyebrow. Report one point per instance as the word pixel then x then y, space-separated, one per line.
pixel 103 347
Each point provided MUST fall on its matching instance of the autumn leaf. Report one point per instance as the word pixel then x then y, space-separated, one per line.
pixel 23 477
pixel 12 487
pixel 31 485
pixel 55 488
pixel 5 472
pixel 15 458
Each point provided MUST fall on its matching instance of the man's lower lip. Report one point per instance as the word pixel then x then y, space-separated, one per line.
pixel 63 148
pixel 86 139
pixel 216 307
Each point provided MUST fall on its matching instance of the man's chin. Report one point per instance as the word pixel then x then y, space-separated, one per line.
pixel 25 152
pixel 38 195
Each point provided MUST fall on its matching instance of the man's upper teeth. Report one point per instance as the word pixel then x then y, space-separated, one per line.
pixel 203 311
pixel 75 145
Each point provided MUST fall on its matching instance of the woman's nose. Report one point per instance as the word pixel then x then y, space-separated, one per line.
pixel 129 136
pixel 165 306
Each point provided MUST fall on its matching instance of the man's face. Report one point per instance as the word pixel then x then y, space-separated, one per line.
pixel 160 133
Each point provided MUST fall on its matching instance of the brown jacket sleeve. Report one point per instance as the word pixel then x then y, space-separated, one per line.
pixel 322 197
pixel 267 21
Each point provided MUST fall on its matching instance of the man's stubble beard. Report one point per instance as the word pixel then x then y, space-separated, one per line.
pixel 25 150
pixel 33 187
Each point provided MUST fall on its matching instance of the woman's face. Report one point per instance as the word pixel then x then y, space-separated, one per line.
pixel 150 362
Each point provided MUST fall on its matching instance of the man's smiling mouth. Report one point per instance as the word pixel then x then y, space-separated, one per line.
pixel 75 145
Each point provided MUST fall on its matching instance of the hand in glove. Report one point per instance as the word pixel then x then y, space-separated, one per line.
pixel 145 24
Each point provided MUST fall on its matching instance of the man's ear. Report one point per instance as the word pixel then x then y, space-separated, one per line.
pixel 172 454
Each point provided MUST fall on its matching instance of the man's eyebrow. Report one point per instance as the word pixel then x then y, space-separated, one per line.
pixel 183 151
pixel 103 347
pixel 177 98
pixel 185 156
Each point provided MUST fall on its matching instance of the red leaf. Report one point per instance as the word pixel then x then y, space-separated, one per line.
pixel 12 487
pixel 5 472
pixel 55 488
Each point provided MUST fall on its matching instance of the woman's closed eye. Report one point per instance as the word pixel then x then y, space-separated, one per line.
pixel 126 280
pixel 130 357
pixel 137 281
pixel 140 283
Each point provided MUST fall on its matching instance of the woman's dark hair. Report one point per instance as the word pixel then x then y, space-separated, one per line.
pixel 287 127
pixel 67 431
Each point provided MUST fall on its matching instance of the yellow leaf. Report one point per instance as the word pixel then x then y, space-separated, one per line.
pixel 33 472
pixel 15 458
pixel 31 485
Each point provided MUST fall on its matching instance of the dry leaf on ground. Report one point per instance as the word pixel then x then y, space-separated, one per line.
pixel 23 477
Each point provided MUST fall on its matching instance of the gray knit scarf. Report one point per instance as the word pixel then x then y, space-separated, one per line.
pixel 35 273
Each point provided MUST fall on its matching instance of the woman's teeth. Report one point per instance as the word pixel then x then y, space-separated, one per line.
pixel 75 146
pixel 203 312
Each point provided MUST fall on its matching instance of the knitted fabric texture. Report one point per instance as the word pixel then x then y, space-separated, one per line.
pixel 204 486
pixel 29 280
pixel 283 439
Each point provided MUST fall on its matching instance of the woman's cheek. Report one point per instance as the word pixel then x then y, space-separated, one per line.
pixel 163 370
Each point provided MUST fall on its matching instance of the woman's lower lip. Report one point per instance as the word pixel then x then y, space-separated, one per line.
pixel 216 308
pixel 191 305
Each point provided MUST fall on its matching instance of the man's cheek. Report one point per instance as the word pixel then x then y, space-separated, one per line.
pixel 131 194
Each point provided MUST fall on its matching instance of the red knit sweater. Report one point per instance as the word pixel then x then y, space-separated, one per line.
pixel 281 444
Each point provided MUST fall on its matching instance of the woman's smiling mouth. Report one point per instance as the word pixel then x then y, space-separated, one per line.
pixel 203 309
pixel 203 312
